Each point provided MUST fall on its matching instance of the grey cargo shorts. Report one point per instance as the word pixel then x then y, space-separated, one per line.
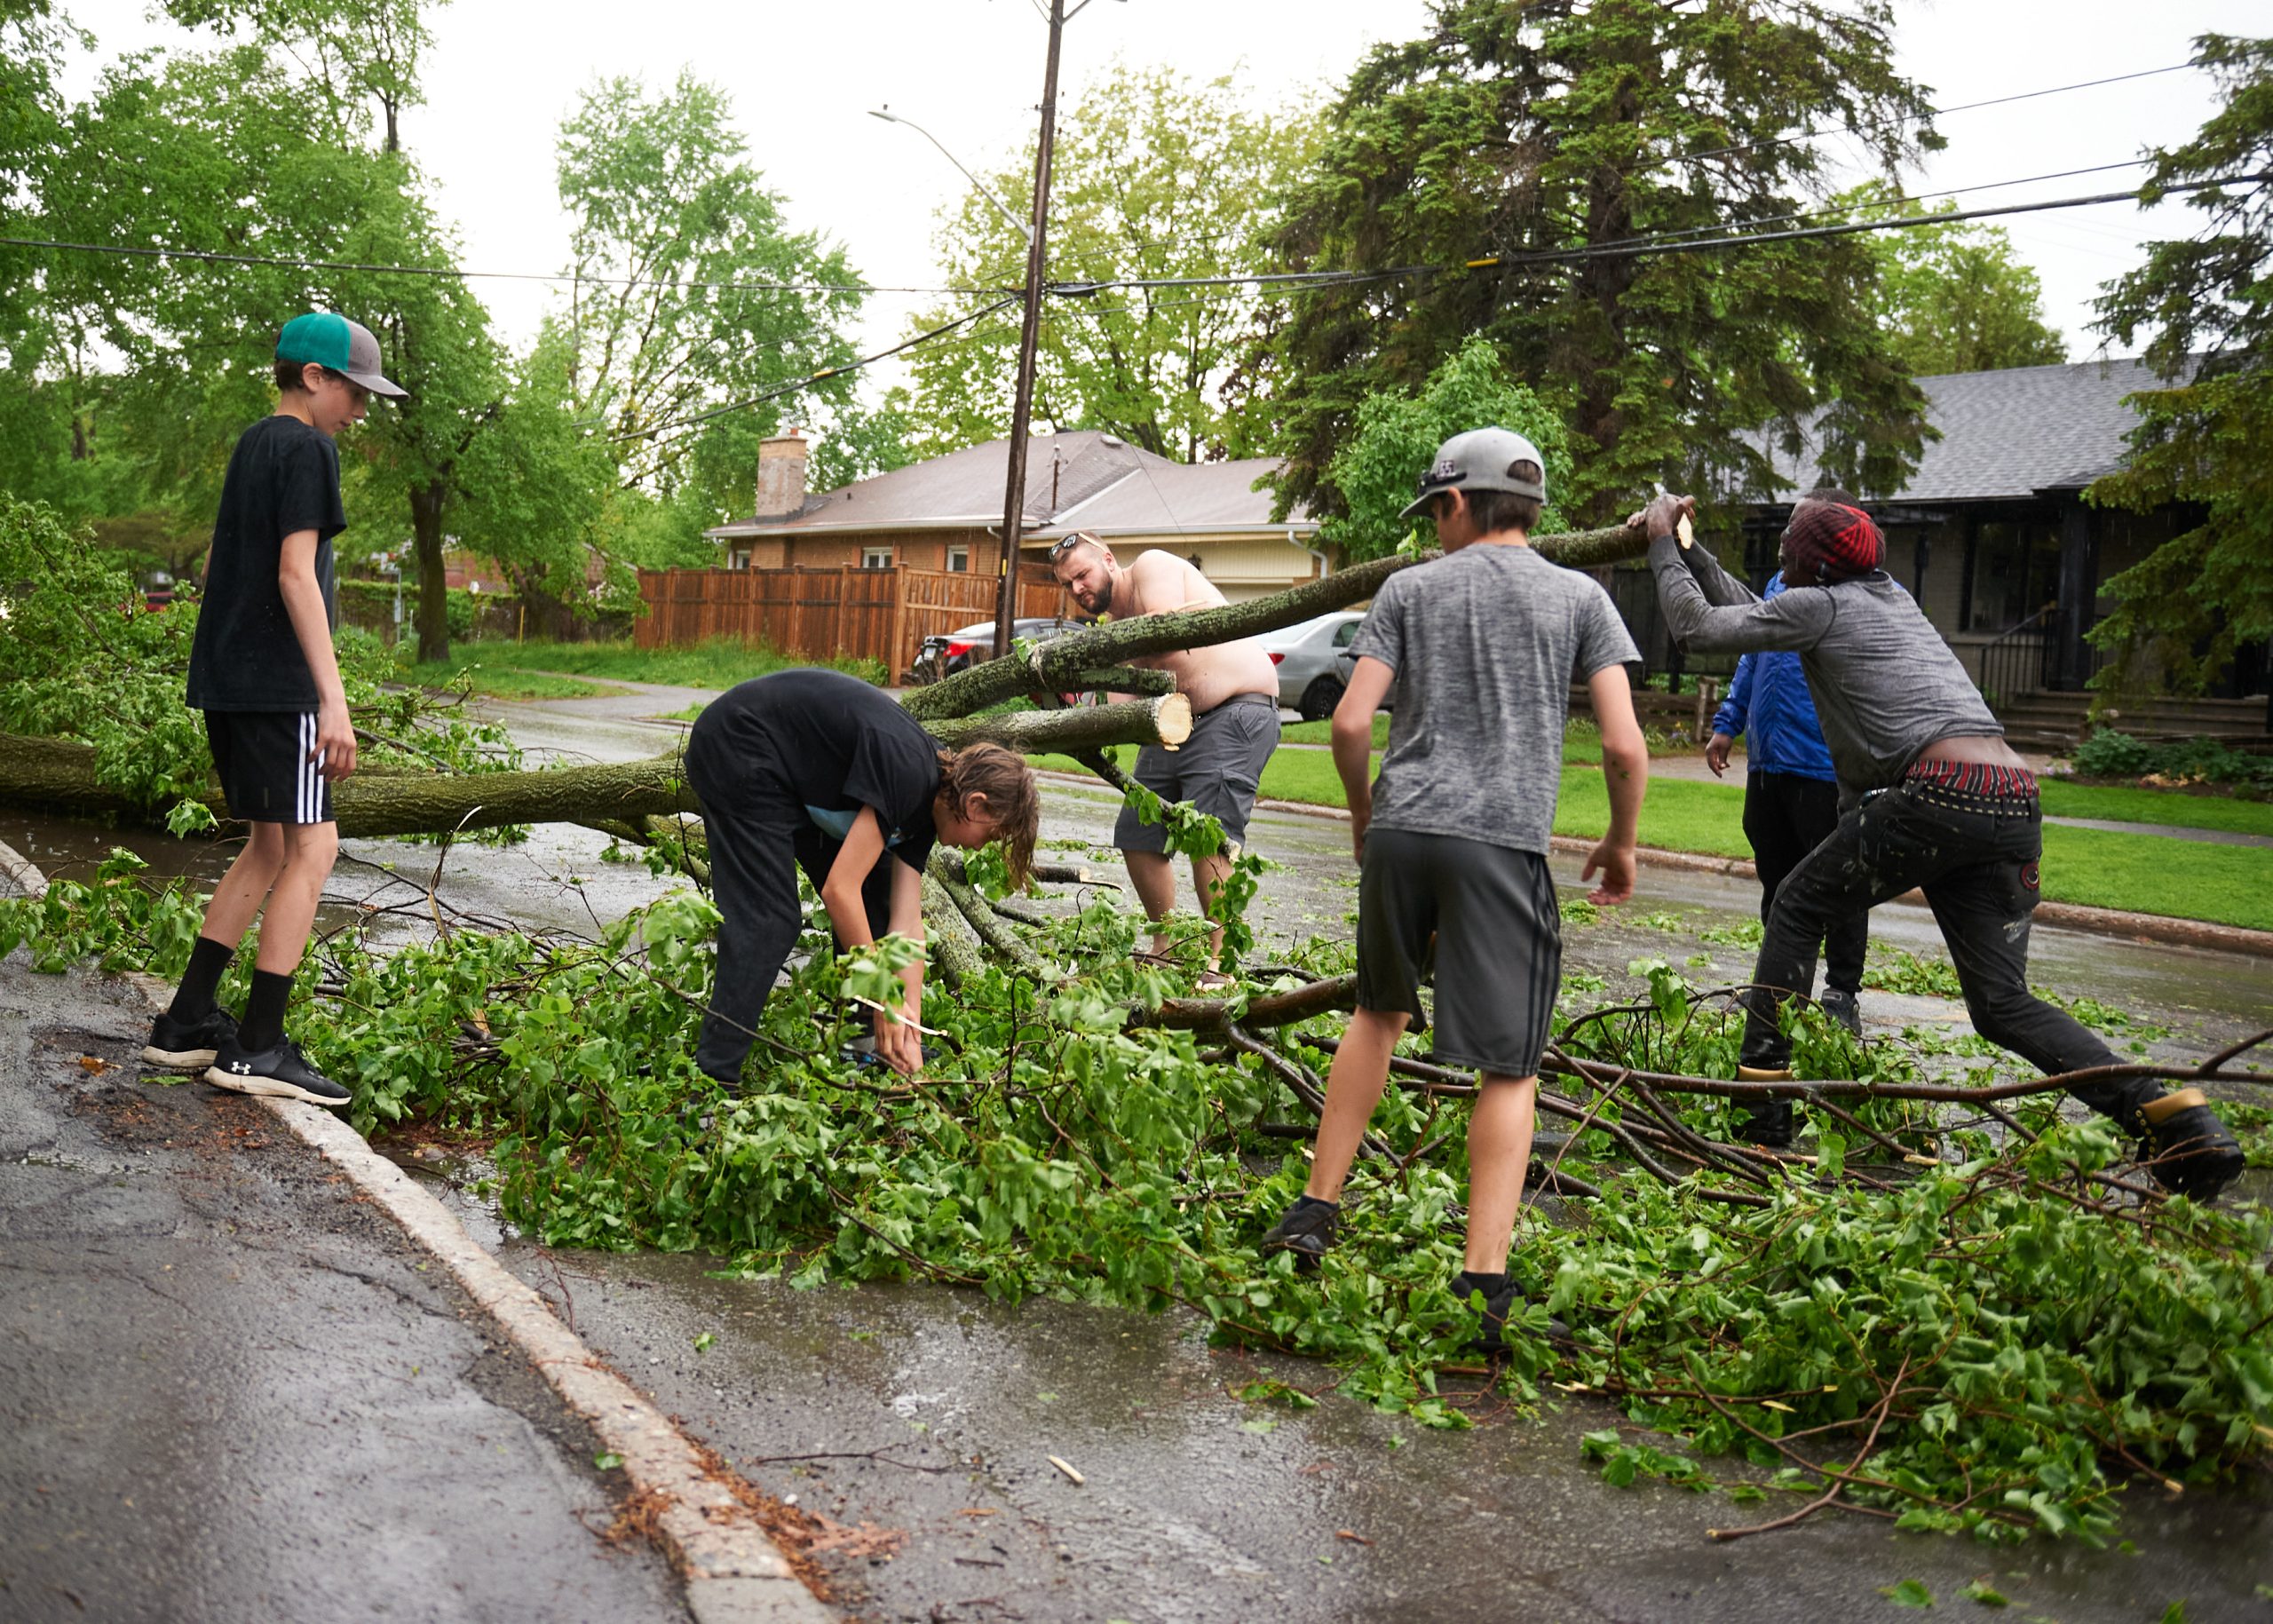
pixel 1218 771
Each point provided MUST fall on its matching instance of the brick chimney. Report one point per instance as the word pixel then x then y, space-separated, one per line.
pixel 781 476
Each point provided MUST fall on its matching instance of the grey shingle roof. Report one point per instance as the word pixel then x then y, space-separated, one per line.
pixel 2012 433
pixel 965 487
pixel 1156 497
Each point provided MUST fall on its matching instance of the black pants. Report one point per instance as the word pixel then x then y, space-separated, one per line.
pixel 1976 857
pixel 759 835
pixel 1785 817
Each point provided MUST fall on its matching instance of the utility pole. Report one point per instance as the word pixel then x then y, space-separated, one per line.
pixel 1014 493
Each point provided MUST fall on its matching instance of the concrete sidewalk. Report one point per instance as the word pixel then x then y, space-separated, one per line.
pixel 229 1389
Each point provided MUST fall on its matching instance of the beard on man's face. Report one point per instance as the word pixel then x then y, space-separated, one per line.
pixel 1100 599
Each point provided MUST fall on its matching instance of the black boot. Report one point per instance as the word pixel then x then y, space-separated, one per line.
pixel 2184 1144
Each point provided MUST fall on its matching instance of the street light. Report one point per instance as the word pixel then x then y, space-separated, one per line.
pixel 1026 229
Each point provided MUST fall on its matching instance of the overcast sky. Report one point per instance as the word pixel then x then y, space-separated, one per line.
pixel 804 75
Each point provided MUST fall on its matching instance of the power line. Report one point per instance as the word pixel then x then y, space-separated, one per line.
pixel 823 375
pixel 1910 118
pixel 287 263
pixel 1635 246
pixel 1889 203
pixel 1899 223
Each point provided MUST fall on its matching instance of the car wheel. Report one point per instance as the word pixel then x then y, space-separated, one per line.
pixel 1320 698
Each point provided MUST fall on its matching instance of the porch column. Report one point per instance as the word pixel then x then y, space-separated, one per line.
pixel 2077 588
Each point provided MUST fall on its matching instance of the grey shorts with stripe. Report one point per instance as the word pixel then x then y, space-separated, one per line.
pixel 1485 918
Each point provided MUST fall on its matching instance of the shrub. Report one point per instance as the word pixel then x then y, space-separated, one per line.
pixel 2109 754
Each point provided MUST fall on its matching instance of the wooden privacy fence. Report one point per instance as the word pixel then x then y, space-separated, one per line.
pixel 881 614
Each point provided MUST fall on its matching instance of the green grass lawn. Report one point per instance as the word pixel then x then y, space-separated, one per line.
pixel 2128 805
pixel 2147 874
pixel 500 682
pixel 1322 732
pixel 717 664
pixel 2153 874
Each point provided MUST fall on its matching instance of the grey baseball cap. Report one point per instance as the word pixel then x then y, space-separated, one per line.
pixel 333 341
pixel 1482 460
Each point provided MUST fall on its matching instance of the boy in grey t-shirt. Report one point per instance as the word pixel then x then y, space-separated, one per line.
pixel 1451 839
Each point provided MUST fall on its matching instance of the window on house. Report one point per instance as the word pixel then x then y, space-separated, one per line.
pixel 959 560
pixel 741 560
pixel 876 558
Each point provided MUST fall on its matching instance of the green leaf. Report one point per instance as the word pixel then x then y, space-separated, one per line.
pixel 1909 1593
pixel 1988 1595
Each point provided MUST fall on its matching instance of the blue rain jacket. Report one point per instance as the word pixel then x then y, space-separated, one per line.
pixel 1769 703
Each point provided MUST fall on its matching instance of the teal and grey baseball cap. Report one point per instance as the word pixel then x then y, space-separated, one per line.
pixel 1482 460
pixel 346 347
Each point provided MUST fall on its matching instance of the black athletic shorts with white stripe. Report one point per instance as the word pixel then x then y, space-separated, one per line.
pixel 1487 917
pixel 267 774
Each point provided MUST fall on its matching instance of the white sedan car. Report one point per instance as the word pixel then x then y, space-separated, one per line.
pixel 1311 672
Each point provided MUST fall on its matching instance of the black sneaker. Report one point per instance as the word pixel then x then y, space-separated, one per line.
pixel 2185 1146
pixel 1499 1307
pixel 1309 1229
pixel 1843 1007
pixel 280 1073
pixel 189 1045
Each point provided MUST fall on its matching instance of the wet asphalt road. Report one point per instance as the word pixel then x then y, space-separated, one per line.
pixel 229 1392
pixel 930 1406
pixel 935 1413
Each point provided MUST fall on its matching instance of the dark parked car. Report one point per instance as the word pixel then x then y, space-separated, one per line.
pixel 943 655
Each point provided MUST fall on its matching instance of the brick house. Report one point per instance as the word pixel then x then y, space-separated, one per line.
pixel 946 513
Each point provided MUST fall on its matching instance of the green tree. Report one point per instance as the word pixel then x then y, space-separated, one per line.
pixel 1955 297
pixel 1398 435
pixel 236 155
pixel 670 335
pixel 1517 150
pixel 2207 440
pixel 1153 176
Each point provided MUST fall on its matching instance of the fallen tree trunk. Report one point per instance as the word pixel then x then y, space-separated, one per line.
pixel 1058 666
pixel 57 775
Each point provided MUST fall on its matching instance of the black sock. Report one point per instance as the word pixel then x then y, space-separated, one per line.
pixel 1303 1202
pixel 263 1026
pixel 1469 1281
pixel 193 998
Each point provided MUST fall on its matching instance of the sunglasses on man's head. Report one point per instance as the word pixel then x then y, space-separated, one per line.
pixel 1065 544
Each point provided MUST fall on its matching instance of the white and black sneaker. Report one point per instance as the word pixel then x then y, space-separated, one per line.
pixel 282 1072
pixel 189 1045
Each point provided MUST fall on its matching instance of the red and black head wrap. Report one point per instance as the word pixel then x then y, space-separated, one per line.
pixel 1841 541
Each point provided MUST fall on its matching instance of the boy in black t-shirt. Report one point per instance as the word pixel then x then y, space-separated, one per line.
pixel 817 770
pixel 263 670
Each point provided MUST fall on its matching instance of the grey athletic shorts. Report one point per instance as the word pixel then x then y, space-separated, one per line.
pixel 1218 771
pixel 1487 918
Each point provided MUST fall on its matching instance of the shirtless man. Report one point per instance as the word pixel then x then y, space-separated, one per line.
pixel 1234 692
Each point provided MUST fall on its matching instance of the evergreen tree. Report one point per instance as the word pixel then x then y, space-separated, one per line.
pixel 2207 440
pixel 1518 146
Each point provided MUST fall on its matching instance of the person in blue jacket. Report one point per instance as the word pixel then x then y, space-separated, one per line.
pixel 1790 799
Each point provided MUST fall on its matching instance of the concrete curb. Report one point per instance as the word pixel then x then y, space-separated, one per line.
pixel 20 868
pixel 732 1569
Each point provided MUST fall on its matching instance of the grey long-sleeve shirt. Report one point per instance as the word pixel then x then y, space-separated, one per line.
pixel 1885 684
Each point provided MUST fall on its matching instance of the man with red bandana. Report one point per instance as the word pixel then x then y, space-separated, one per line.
pixel 1932 797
